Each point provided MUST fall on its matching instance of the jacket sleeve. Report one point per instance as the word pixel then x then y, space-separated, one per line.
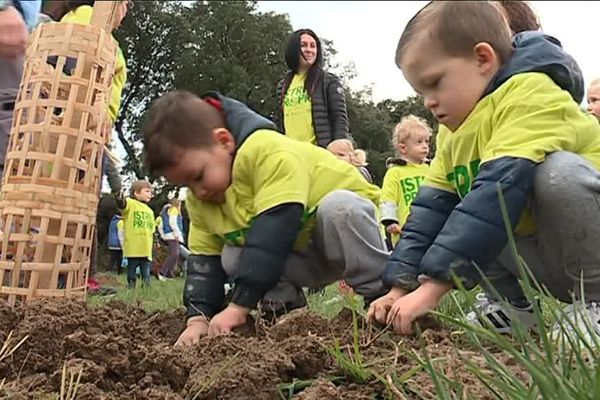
pixel 336 107
pixel 388 206
pixel 428 214
pixel 268 245
pixel 204 291
pixel 475 232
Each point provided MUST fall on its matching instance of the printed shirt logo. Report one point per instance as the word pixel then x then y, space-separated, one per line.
pixel 463 176
pixel 410 188
pixel 296 96
pixel 143 220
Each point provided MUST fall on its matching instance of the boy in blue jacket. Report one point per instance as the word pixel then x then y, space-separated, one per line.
pixel 509 118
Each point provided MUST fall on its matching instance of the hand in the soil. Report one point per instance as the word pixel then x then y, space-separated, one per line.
pixel 393 228
pixel 231 317
pixel 196 328
pixel 407 309
pixel 378 310
pixel 13 33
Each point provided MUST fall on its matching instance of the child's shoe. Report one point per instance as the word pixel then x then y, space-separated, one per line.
pixel 500 315
pixel 578 326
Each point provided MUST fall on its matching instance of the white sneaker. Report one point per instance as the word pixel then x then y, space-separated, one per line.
pixel 162 278
pixel 579 324
pixel 497 314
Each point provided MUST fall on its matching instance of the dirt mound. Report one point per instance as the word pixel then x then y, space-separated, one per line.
pixel 121 352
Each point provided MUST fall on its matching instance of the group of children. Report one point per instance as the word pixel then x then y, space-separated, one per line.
pixel 278 215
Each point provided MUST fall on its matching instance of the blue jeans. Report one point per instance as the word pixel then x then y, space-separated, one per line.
pixel 132 264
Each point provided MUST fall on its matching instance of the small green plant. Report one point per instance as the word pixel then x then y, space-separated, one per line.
pixel 287 391
pixel 352 364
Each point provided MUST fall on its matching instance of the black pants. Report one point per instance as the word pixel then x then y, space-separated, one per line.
pixel 116 260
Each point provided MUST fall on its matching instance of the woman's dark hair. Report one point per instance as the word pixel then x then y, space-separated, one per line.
pixel 520 15
pixel 293 54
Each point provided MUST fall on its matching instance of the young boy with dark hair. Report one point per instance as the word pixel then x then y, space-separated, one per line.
pixel 511 121
pixel 274 213
pixel 138 231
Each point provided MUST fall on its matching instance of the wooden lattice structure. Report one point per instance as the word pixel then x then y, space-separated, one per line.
pixel 51 183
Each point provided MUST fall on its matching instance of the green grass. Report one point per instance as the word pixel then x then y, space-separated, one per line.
pixel 160 296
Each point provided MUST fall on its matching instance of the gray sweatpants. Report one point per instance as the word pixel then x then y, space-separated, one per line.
pixel 346 244
pixel 565 253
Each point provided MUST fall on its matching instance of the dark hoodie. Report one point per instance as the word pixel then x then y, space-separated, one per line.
pixel 269 240
pixel 444 234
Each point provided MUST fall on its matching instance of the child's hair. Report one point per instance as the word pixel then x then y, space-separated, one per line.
pixel 520 16
pixel 348 145
pixel 175 202
pixel 457 26
pixel 178 120
pixel 595 82
pixel 359 158
pixel 406 127
pixel 137 186
pixel 293 54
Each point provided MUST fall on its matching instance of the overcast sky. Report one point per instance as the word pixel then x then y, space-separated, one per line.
pixel 367 34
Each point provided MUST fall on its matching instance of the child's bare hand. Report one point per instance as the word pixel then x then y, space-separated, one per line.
pixel 407 309
pixel 228 319
pixel 196 328
pixel 393 228
pixel 378 310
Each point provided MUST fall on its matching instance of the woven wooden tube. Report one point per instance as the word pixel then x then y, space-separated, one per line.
pixel 52 176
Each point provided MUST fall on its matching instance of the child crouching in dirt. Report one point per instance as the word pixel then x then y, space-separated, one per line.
pixel 274 213
pixel 138 231
pixel 512 123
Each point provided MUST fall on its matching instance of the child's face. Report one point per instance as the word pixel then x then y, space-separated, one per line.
pixel 593 100
pixel 144 195
pixel 341 150
pixel 451 86
pixel 416 148
pixel 205 171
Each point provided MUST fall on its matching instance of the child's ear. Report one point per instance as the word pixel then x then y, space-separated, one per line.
pixel 401 148
pixel 486 57
pixel 223 137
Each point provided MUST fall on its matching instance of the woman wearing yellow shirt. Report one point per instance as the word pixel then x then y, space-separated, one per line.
pixel 80 12
pixel 311 104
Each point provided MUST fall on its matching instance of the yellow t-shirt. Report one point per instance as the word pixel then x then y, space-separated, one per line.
pixel 529 116
pixel 83 15
pixel 270 169
pixel 139 226
pixel 400 186
pixel 297 111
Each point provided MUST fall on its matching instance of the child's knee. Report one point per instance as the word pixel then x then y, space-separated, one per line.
pixel 344 206
pixel 562 174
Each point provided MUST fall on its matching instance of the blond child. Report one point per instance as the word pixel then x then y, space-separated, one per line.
pixel 404 177
pixel 138 231
pixel 512 123
pixel 593 98
pixel 344 150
